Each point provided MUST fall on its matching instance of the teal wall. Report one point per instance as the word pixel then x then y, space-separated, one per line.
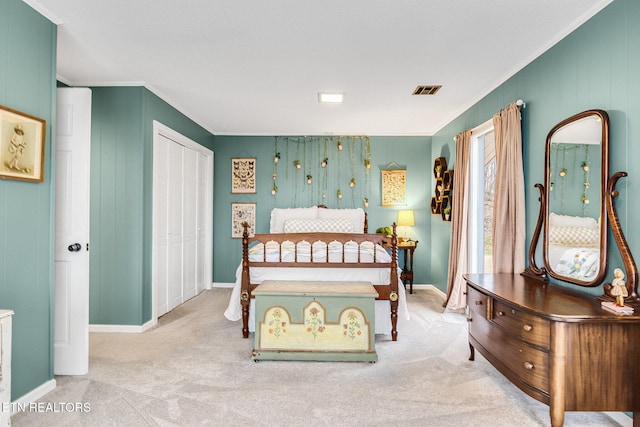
pixel 412 153
pixel 27 83
pixel 121 199
pixel 596 66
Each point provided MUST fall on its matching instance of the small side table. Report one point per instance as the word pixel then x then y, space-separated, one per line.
pixel 407 272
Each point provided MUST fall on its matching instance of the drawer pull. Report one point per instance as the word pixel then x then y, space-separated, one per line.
pixel 478 302
pixel 501 313
pixel 529 366
pixel 527 328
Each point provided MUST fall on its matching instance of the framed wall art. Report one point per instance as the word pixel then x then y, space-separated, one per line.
pixel 394 187
pixel 243 175
pixel 242 212
pixel 22 139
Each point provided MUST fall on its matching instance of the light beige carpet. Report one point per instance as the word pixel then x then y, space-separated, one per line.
pixel 195 369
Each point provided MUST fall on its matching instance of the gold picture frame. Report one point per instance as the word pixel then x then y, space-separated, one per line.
pixel 394 187
pixel 22 138
pixel 243 212
pixel 243 175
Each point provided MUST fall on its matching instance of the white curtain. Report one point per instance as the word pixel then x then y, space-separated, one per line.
pixel 508 212
pixel 458 252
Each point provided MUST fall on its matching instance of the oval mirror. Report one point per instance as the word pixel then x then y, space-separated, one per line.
pixel 575 220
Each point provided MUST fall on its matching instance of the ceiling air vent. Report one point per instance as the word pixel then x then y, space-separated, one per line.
pixel 426 90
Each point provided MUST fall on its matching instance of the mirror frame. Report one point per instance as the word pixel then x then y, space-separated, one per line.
pixel 604 174
pixel 609 217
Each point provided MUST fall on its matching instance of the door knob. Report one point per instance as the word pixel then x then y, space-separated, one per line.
pixel 75 247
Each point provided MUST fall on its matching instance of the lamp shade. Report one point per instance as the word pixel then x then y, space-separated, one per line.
pixel 405 218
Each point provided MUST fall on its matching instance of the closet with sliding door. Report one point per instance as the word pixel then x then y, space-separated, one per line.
pixel 182 182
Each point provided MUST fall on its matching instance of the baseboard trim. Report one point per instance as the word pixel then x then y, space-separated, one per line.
pixel 427 287
pixel 32 396
pixel 222 285
pixel 127 329
pixel 621 418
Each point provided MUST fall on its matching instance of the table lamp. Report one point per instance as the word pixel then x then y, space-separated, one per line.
pixel 405 219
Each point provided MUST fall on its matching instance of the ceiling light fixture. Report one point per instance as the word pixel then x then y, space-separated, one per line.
pixel 330 98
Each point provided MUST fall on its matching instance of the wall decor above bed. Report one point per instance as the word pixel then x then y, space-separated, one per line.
pixel 242 212
pixel 394 185
pixel 243 175
pixel 313 170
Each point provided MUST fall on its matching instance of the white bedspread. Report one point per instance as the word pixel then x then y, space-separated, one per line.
pixel 376 276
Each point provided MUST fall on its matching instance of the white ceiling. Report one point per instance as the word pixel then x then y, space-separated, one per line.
pixel 255 67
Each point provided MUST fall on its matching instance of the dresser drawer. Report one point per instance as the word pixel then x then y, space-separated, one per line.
pixel 478 302
pixel 529 364
pixel 528 327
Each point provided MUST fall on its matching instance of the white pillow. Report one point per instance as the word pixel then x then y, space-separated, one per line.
pixel 279 216
pixel 556 220
pixel 318 225
pixel 356 216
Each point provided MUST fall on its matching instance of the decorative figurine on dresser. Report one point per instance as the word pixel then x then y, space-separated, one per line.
pixel 564 347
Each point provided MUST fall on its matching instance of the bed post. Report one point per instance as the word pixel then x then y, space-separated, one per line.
pixel 245 289
pixel 393 297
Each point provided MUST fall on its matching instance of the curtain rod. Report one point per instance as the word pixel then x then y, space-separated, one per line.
pixel 519 102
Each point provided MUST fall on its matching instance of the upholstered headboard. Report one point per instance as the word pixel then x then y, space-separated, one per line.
pixel 318 219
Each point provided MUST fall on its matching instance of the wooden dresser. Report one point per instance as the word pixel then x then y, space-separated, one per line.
pixel 557 346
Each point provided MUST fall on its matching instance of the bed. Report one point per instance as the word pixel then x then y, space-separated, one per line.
pixel 574 246
pixel 311 244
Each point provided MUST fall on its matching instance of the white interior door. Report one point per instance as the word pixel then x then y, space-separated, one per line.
pixel 72 154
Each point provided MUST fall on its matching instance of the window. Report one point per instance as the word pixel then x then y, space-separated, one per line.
pixel 482 172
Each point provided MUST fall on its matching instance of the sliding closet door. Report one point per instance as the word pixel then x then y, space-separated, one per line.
pixel 202 188
pixel 175 223
pixel 182 212
pixel 190 212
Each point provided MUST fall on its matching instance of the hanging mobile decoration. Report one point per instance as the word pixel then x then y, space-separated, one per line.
pixel 367 172
pixel 324 171
pixel 587 184
pixel 274 175
pixel 311 166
